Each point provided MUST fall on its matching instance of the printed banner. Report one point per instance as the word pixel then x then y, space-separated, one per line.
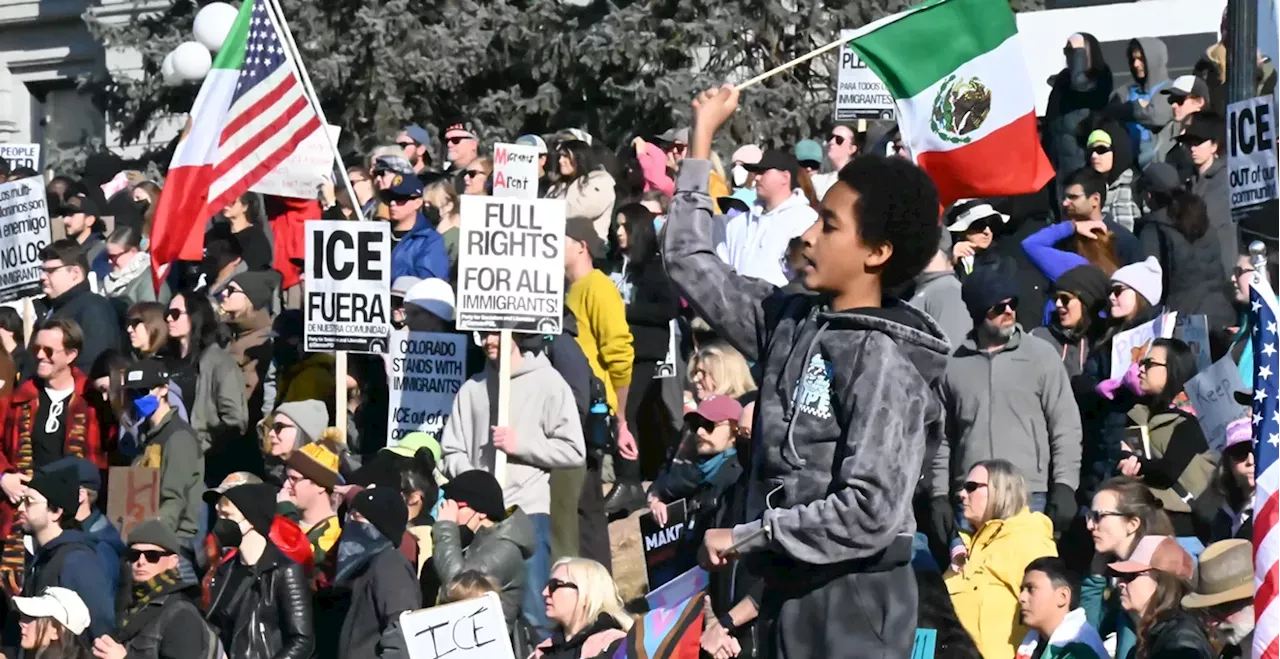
pixel 22 155
pixel 470 629
pixel 24 231
pixel 668 548
pixel 424 372
pixel 348 296
pixel 859 93
pixel 511 265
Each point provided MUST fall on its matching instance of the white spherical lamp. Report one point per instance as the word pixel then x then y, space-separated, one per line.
pixel 192 61
pixel 168 73
pixel 213 24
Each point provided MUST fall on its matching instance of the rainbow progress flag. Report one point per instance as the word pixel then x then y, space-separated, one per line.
pixel 965 103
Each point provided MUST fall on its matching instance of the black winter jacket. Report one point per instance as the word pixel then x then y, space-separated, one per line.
pixel 652 306
pixel 561 648
pixel 268 614
pixel 169 626
pixel 94 314
pixel 385 588
pixel 1194 282
pixel 1177 636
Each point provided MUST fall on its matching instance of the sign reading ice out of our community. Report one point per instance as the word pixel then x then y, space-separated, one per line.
pixel 1251 154
pixel 24 231
pixel 511 265
pixel 424 372
pixel 859 93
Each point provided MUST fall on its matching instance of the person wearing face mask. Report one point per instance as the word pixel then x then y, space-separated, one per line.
pixel 1222 593
pixel 474 530
pixel 744 180
pixel 259 598
pixel 170 445
pixel 1153 581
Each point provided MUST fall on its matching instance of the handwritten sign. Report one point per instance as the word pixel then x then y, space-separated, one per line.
pixel 133 496
pixel 301 174
pixel 1212 394
pixel 668 550
pixel 1131 345
pixel 1194 331
pixel 424 372
pixel 470 629
pixel 515 171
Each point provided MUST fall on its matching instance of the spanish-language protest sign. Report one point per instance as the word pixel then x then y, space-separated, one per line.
pixel 1193 330
pixel 24 231
pixel 1130 346
pixel 515 171
pixel 1251 153
pixel 133 496
pixel 859 93
pixel 470 629
pixel 348 300
pixel 668 548
pixel 511 265
pixel 21 155
pixel 1212 395
pixel 302 173
pixel 424 372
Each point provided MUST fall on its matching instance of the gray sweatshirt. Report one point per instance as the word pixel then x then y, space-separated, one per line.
pixel 938 294
pixel 1015 404
pixel 547 428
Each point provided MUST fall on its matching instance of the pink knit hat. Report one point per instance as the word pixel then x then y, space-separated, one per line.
pixel 1239 431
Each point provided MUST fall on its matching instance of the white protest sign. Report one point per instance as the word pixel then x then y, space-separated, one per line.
pixel 21 155
pixel 511 265
pixel 348 270
pixel 859 93
pixel 24 231
pixel 667 367
pixel 1212 395
pixel 424 372
pixel 1193 330
pixel 1130 345
pixel 515 171
pixel 1251 152
pixel 470 629
pixel 302 173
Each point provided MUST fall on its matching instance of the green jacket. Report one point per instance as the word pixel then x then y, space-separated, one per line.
pixel 171 447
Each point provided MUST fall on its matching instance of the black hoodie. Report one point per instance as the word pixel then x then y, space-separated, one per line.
pixel 1078 90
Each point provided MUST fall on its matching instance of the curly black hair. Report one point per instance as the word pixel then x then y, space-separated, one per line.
pixel 897 204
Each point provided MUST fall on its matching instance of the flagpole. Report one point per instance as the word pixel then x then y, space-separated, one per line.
pixel 310 92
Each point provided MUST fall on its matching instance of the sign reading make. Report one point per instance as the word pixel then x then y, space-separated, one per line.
pixel 348 305
pixel 515 171
pixel 24 231
pixel 859 93
pixel 511 265
pixel 1251 154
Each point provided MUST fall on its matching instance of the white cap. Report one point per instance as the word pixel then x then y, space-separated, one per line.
pixel 974 213
pixel 61 604
pixel 402 284
pixel 432 295
pixel 534 141
pixel 748 154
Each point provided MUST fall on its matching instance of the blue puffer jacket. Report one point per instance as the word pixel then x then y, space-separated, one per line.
pixel 420 253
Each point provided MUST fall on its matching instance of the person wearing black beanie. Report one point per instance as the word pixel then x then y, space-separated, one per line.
pixel 1079 298
pixel 382 582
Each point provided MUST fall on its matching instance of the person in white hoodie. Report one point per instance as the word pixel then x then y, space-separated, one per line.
pixel 755 242
pixel 1058 628
pixel 545 433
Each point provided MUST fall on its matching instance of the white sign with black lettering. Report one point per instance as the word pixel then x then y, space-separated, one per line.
pixel 24 231
pixel 21 155
pixel 424 372
pixel 859 93
pixel 1251 152
pixel 515 171
pixel 511 265
pixel 348 298
pixel 470 629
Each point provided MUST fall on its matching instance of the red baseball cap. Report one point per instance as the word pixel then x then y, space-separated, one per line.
pixel 718 408
pixel 1158 552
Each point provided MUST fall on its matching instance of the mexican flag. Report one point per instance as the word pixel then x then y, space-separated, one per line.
pixel 965 103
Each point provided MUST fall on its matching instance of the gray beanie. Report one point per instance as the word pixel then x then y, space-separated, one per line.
pixel 311 417
pixel 1145 277
pixel 154 532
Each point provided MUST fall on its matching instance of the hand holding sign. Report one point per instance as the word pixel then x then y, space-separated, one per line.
pixel 713 107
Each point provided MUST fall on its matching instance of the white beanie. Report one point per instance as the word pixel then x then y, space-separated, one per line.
pixel 1145 277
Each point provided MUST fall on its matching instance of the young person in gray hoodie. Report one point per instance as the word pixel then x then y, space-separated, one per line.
pixel 847 401
pixel 545 434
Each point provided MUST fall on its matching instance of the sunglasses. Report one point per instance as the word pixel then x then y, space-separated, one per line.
pixel 1127 577
pixel 228 292
pixel 1177 100
pixel 394 200
pixel 1117 291
pixel 1239 272
pixel 50 270
pixel 838 139
pixel 472 173
pixel 1149 363
pixel 405 145
pixel 454 141
pixel 1100 150
pixel 556 584
pixel 152 555
pixel 1064 298
pixel 1000 307
pixel 173 315
pixel 133 324
pixel 46 351
pixel 279 427
pixel 1096 516
pixel 972 486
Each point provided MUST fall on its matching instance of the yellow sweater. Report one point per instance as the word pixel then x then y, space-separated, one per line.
pixel 603 332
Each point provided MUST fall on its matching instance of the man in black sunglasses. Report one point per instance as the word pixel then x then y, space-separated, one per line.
pixel 162 616
pixel 416 142
pixel 462 146
pixel 417 249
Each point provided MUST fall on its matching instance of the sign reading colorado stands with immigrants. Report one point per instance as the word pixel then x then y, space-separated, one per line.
pixel 348 300
pixel 424 372
pixel 511 265
pixel 24 231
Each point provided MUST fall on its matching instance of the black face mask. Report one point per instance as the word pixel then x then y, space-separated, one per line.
pixel 227 533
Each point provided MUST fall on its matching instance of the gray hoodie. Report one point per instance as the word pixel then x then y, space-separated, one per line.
pixel 938 294
pixel 1015 404
pixel 547 428
pixel 1157 113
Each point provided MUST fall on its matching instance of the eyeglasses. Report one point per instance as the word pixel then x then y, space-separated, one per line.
pixel 279 427
pixel 838 139
pixel 28 502
pixel 1096 516
pixel 405 145
pixel 1148 363
pixel 471 173
pixel 556 584
pixel 112 258
pixel 152 555
pixel 1001 307
pixel 1117 291
pixel 454 141
pixel 972 486
pixel 1239 272
pixel 173 315
pixel 1100 150
pixel 49 270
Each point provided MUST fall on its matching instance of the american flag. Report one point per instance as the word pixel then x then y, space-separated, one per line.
pixel 1266 502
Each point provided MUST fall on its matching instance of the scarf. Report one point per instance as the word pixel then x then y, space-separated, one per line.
pixel 116 281
pixel 359 544
pixel 709 467
pixel 144 593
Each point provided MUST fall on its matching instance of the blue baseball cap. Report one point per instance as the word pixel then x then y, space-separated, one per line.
pixel 808 151
pixel 406 185
pixel 87 474
pixel 418 134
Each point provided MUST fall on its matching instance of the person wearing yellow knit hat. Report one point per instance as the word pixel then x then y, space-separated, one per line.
pixel 312 475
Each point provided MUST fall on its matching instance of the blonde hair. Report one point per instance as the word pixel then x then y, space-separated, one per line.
pixel 726 366
pixel 597 594
pixel 467 584
pixel 1006 490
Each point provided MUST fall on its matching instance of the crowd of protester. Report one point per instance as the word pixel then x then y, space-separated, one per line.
pixel 954 459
